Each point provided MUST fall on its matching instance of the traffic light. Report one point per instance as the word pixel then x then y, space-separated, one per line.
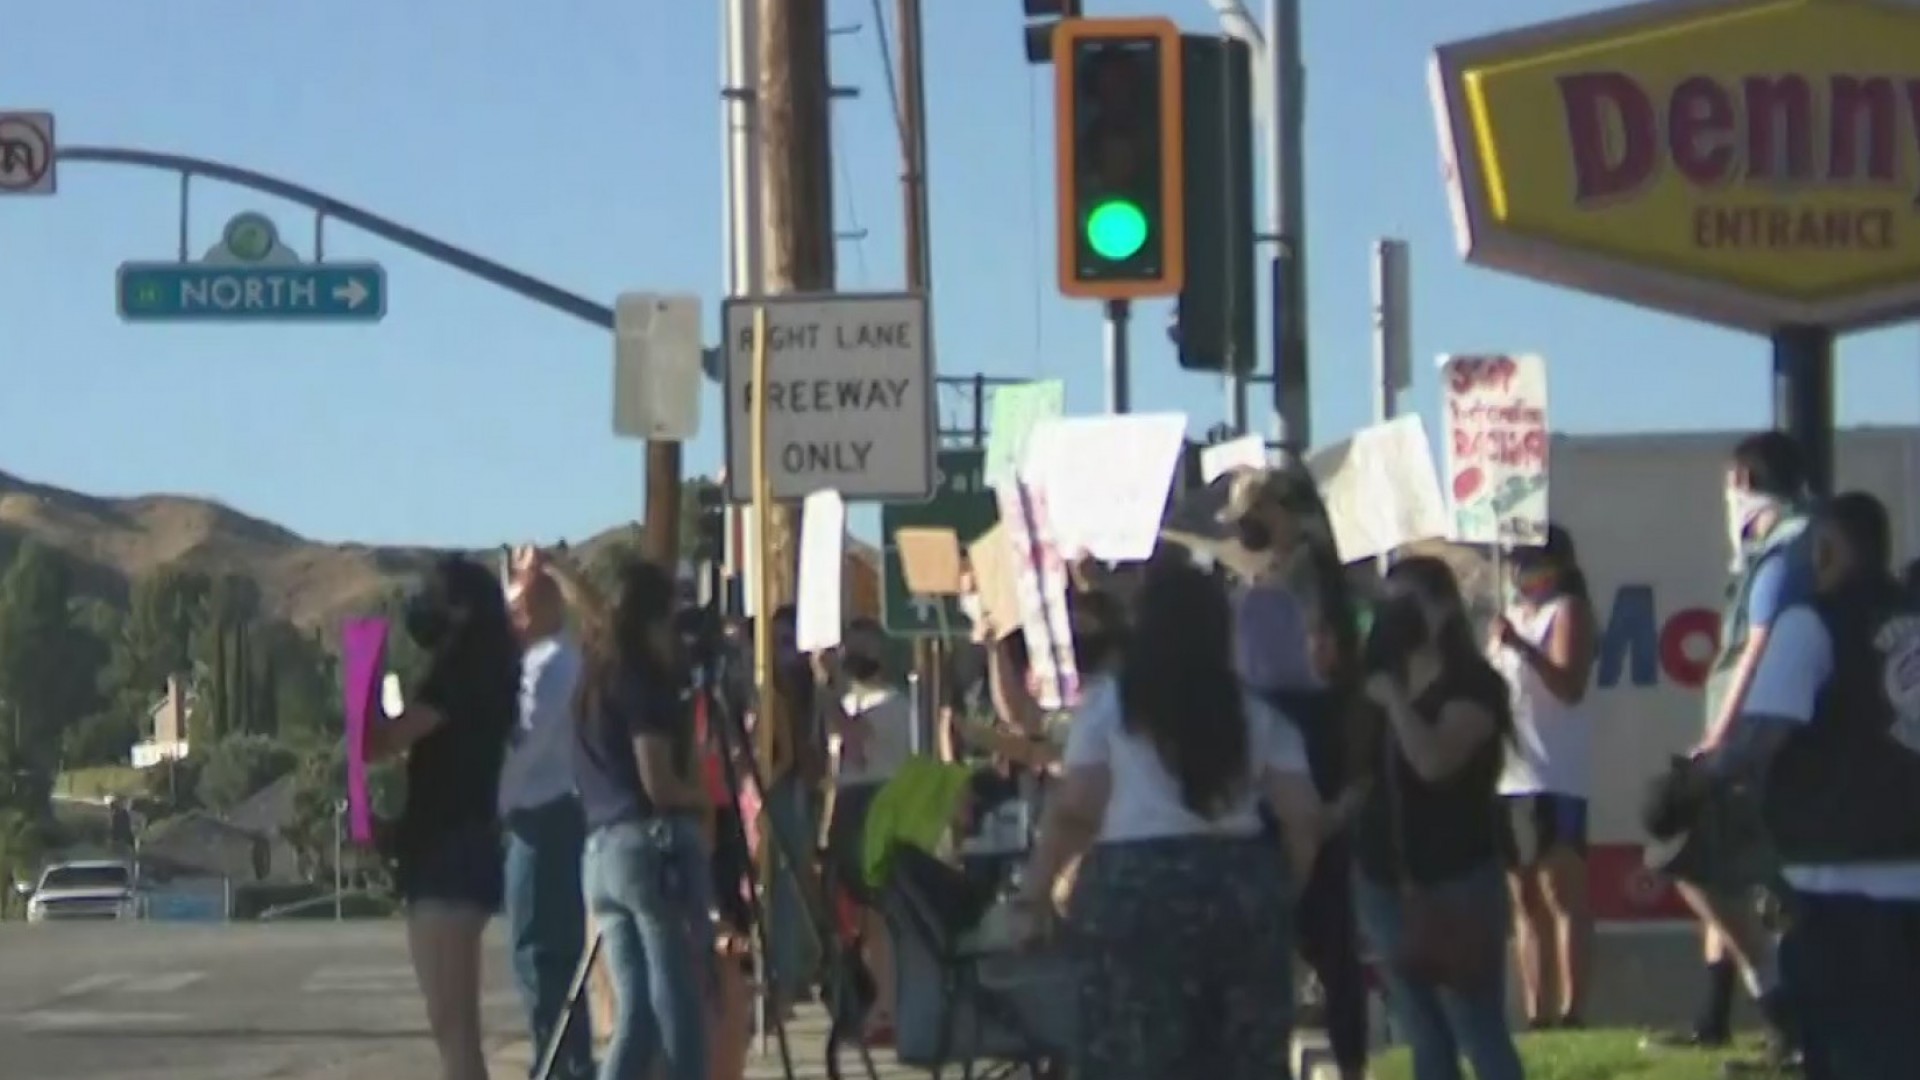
pixel 1216 325
pixel 1118 99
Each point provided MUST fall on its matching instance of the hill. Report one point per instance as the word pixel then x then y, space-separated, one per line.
pixel 113 542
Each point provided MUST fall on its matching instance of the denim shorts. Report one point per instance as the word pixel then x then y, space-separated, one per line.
pixel 462 868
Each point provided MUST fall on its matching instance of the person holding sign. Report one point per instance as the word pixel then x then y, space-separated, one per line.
pixel 446 844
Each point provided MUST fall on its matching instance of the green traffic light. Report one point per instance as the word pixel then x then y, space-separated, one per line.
pixel 1117 229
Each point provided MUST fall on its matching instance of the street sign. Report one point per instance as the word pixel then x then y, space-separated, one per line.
pixel 656 367
pixel 251 277
pixel 961 502
pixel 26 153
pixel 849 396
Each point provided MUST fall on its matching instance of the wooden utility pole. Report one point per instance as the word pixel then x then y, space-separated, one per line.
pixel 928 653
pixel 795 103
pixel 660 528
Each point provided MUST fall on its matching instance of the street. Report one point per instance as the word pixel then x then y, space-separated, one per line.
pixel 160 1001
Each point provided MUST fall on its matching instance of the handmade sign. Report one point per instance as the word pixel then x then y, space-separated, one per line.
pixel 1381 489
pixel 1495 410
pixel 363 665
pixel 996 580
pixel 1017 410
pixel 1041 580
pixel 823 538
pixel 1105 481
pixel 1245 452
pixel 929 560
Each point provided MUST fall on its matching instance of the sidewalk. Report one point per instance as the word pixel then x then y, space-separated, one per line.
pixel 806 1036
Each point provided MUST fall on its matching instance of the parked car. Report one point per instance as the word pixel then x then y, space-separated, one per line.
pixel 83 889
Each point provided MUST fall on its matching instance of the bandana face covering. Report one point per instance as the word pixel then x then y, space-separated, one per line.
pixel 1743 507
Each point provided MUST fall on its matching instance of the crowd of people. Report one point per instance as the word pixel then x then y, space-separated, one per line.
pixel 1297 758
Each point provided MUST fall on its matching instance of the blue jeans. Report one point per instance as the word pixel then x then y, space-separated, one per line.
pixel 647 884
pixel 1852 972
pixel 546 922
pixel 1442 1025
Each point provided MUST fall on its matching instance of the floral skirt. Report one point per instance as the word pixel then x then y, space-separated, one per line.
pixel 1188 952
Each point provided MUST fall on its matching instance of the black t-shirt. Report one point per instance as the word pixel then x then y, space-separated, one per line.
pixel 1450 826
pixel 605 768
pixel 453 774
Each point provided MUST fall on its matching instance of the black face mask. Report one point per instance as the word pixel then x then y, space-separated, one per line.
pixel 1254 535
pixel 1399 628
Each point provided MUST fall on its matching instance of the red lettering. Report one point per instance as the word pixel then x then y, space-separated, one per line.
pixel 1613 132
pixel 1688 642
pixel 1700 130
pixel 1860 139
pixel 1779 127
pixel 1759 127
pixel 1469 373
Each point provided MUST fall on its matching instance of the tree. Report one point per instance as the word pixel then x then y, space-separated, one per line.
pixel 49 672
pixel 157 633
pixel 320 787
pixel 239 765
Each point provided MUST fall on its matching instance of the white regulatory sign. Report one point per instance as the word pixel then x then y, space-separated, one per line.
pixel 26 153
pixel 850 391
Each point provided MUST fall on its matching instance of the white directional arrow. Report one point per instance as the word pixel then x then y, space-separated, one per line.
pixel 926 610
pixel 352 292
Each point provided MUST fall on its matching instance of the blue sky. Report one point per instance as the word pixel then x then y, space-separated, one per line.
pixel 579 142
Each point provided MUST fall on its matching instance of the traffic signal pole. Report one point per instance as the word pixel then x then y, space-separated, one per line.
pixel 1118 356
pixel 1287 216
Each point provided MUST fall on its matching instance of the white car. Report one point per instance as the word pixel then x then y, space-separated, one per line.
pixel 85 889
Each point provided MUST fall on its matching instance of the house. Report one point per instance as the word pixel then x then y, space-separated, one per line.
pixel 167 723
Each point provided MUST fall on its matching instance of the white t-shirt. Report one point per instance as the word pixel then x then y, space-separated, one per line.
pixel 1552 748
pixel 1145 801
pixel 539 763
pixel 1786 686
pixel 885 742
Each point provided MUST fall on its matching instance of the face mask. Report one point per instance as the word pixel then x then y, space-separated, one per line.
pixel 1535 583
pixel 860 667
pixel 1399 628
pixel 1254 535
pixel 1742 508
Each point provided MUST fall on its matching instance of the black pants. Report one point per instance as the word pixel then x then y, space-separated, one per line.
pixel 1327 936
pixel 1851 967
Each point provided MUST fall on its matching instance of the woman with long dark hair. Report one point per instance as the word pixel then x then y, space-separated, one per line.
pixel 1431 895
pixel 645 872
pixel 1183 904
pixel 447 843
pixel 1545 644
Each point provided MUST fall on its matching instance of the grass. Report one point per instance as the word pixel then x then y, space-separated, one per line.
pixel 1588 1055
pixel 101 780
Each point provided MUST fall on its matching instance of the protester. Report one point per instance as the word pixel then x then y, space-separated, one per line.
pixel 1831 722
pixel 1544 645
pixel 1432 897
pixel 1718 871
pixel 646 873
pixel 869 725
pixel 1182 905
pixel 792 812
pixel 1296 641
pixel 546 914
pixel 446 844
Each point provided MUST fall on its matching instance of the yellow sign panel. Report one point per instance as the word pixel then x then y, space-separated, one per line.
pixel 1771 148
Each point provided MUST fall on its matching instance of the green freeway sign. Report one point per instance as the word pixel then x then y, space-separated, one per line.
pixel 961 502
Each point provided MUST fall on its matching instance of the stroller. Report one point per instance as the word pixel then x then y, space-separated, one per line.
pixel 961 1002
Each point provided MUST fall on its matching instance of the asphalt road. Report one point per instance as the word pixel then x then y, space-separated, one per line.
pixel 169 1001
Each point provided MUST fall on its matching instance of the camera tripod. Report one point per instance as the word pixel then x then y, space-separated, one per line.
pixel 725 725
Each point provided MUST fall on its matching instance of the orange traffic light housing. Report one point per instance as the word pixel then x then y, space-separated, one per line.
pixel 1119 158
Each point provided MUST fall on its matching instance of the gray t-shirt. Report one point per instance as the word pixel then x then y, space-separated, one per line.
pixel 1273 639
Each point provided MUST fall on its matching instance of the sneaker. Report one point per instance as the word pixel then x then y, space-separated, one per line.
pixel 1693 1038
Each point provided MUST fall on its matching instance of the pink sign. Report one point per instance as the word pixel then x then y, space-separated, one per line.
pixel 363 663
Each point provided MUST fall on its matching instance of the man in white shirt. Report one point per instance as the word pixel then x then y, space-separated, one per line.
pixel 1831 724
pixel 546 916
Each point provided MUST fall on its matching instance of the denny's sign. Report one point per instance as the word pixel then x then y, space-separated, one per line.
pixel 1750 162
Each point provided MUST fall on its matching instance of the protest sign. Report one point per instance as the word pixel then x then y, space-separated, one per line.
pixel 996 580
pixel 1105 481
pixel 363 656
pixel 1245 452
pixel 1041 581
pixel 1496 439
pixel 1016 411
pixel 929 560
pixel 1381 490
pixel 823 538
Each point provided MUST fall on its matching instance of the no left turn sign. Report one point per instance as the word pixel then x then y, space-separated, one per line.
pixel 26 153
